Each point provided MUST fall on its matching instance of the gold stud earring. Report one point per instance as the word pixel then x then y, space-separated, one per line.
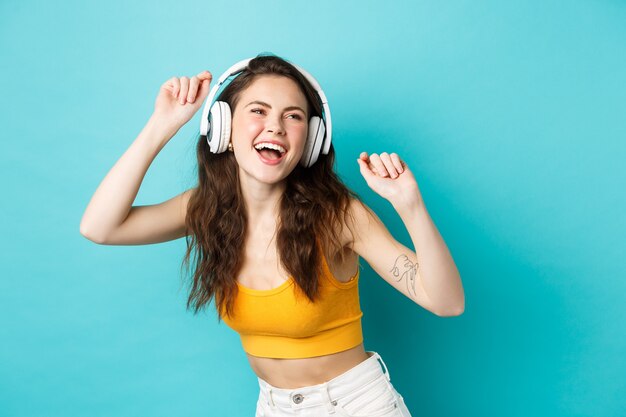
pixel 230 147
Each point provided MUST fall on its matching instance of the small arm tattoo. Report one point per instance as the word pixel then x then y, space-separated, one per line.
pixel 403 268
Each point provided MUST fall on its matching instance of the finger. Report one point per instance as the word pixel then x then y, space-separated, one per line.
pixel 175 85
pixel 364 167
pixel 184 88
pixel 397 162
pixel 205 75
pixel 391 169
pixel 193 89
pixel 205 78
pixel 379 166
pixel 363 156
pixel 204 89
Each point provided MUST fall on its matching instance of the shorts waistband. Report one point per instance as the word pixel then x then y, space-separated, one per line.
pixel 326 393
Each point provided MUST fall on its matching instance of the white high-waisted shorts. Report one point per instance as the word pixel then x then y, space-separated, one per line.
pixel 363 391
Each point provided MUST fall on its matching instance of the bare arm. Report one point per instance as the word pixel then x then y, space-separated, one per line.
pixel 110 217
pixel 104 219
pixel 428 275
pixel 433 282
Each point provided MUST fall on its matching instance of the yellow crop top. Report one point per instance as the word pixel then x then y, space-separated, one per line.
pixel 274 323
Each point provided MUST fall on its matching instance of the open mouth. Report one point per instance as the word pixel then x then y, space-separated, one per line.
pixel 270 153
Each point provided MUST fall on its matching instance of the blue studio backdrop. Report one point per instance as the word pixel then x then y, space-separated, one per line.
pixel 510 114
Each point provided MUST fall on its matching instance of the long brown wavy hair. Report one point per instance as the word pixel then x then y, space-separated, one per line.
pixel 313 207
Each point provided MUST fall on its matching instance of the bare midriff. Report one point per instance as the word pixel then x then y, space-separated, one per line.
pixel 303 372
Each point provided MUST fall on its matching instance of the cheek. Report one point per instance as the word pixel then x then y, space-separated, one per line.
pixel 300 131
pixel 250 127
pixel 254 126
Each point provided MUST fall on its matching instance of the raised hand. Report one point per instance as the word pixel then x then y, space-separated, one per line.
pixel 390 178
pixel 180 98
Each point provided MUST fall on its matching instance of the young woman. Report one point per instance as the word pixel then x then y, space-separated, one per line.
pixel 276 236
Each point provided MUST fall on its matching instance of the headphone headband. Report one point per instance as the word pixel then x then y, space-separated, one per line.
pixel 240 66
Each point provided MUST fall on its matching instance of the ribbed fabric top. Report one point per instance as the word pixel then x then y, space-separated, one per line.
pixel 274 323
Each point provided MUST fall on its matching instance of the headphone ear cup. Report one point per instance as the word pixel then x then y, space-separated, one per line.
pixel 218 135
pixel 314 140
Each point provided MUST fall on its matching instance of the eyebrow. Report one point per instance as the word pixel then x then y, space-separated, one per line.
pixel 262 103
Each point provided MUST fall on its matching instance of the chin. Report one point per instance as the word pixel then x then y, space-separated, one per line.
pixel 271 179
pixel 268 175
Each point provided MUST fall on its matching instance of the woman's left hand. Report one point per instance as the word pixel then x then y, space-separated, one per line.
pixel 390 178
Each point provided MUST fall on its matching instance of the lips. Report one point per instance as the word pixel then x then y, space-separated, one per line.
pixel 275 142
pixel 270 161
pixel 269 149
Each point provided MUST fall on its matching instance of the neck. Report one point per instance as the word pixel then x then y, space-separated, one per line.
pixel 262 201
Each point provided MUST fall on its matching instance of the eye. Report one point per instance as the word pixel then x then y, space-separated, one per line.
pixel 295 116
pixel 257 110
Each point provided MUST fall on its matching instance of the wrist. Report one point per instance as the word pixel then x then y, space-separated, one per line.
pixel 408 205
pixel 161 128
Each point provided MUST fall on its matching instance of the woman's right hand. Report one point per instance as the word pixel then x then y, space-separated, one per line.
pixel 180 98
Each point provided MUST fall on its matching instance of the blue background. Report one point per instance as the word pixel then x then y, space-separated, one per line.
pixel 510 114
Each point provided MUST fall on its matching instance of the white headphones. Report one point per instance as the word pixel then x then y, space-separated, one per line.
pixel 216 119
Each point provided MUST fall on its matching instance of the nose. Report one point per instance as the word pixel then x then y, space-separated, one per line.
pixel 274 125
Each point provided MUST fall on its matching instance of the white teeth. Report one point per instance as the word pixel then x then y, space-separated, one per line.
pixel 268 145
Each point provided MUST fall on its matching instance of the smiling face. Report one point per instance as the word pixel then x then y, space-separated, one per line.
pixel 272 109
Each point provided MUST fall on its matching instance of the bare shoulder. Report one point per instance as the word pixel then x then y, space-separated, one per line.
pixel 185 196
pixel 359 218
pixel 351 228
pixel 349 223
pixel 370 234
